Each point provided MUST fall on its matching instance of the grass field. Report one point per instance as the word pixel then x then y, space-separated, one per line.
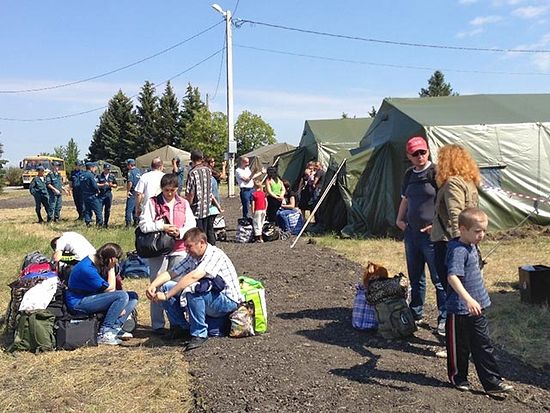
pixel 144 377
pixel 520 329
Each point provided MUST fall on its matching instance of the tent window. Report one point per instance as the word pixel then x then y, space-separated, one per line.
pixel 492 175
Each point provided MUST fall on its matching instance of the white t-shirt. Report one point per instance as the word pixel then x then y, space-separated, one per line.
pixel 73 243
pixel 244 173
pixel 149 185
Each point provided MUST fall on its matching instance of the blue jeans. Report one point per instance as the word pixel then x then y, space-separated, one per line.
pixel 130 213
pixel 200 305
pixel 419 251
pixel 173 308
pixel 156 266
pixel 246 200
pixel 91 204
pixel 118 305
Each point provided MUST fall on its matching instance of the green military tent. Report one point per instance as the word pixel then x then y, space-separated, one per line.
pixel 508 135
pixel 321 139
pixel 264 156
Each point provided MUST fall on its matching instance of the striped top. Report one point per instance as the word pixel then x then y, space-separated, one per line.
pixel 199 184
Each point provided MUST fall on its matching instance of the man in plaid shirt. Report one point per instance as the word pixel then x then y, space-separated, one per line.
pixel 209 281
pixel 198 190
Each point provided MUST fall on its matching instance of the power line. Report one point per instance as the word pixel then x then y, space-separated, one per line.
pixel 72 115
pixel 359 62
pixel 240 22
pixel 114 70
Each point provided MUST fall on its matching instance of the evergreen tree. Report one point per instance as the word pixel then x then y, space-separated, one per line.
pixel 437 86
pixel 69 153
pixel 208 132
pixel 115 139
pixel 147 113
pixel 192 104
pixel 168 132
pixel 251 132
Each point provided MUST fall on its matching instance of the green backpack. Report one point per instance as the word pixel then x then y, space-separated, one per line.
pixel 34 332
pixel 253 290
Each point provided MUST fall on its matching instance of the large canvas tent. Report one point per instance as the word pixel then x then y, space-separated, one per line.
pixel 166 153
pixel 508 135
pixel 264 156
pixel 321 139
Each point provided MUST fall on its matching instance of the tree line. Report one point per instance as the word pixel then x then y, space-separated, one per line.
pixel 125 131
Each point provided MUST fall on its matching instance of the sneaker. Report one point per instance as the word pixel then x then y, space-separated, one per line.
pixel 108 338
pixel 195 342
pixel 463 386
pixel 500 388
pixel 441 328
pixel 124 335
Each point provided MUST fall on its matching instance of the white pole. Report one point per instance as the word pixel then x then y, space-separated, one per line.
pixel 230 131
pixel 319 203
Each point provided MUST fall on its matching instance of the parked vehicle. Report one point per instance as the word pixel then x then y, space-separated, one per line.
pixel 30 163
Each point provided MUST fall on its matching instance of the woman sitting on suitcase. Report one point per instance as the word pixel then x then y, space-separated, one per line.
pixel 90 293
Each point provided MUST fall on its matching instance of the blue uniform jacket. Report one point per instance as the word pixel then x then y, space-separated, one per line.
pixel 38 186
pixel 88 184
pixel 101 179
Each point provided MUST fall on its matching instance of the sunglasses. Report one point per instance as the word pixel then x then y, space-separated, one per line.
pixel 419 152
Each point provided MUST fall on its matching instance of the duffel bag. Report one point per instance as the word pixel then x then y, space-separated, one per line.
pixel 270 232
pixel 245 233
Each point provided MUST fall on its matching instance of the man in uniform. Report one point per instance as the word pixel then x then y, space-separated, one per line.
pixel 106 181
pixel 134 174
pixel 89 188
pixel 39 191
pixel 75 187
pixel 54 182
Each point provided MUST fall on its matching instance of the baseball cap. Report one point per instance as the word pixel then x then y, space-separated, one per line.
pixel 416 143
pixel 131 161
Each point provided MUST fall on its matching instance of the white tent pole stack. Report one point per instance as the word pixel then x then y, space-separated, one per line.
pixel 332 181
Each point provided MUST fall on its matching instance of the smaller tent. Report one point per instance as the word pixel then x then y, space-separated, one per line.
pixel 265 156
pixel 166 153
pixel 321 139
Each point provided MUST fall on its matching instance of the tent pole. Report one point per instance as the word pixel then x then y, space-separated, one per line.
pixel 332 181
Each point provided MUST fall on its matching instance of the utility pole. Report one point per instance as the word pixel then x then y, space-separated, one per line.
pixel 231 144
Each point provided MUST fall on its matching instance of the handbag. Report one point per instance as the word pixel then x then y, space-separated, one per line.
pixel 153 244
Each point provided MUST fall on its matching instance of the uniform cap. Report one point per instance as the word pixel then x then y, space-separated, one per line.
pixel 131 161
pixel 416 143
pixel 90 164
pixel 39 168
pixel 55 163
pixel 79 162
pixel 107 166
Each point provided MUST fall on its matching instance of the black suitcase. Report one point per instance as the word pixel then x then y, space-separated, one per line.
pixel 76 331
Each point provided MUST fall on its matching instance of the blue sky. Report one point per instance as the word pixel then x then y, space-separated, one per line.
pixel 47 43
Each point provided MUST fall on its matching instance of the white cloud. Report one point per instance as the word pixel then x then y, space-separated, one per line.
pixel 470 33
pixel 530 12
pixel 484 20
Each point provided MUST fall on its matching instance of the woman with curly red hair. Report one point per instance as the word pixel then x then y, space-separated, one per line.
pixel 457 177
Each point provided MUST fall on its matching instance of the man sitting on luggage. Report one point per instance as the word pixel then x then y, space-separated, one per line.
pixel 209 282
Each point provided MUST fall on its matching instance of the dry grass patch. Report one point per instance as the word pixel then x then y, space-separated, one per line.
pixel 521 329
pixel 97 379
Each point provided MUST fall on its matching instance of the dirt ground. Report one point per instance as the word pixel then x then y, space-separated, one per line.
pixel 312 360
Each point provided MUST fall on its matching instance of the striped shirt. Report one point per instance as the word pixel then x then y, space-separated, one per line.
pixel 199 184
pixel 214 262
